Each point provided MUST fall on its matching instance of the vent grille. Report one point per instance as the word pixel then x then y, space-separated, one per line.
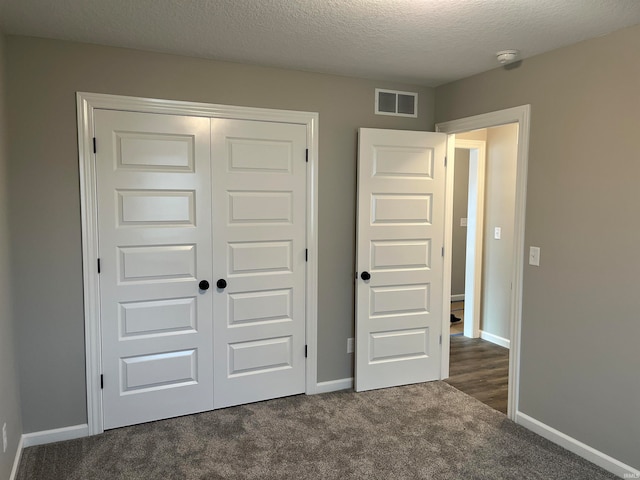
pixel 396 103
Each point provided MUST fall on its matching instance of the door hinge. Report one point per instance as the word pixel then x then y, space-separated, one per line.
pixel 101 382
pixel 306 254
pixel 306 155
pixel 445 161
pixel 306 351
pixel 443 251
pixel 98 265
pixel 94 145
pixel 440 339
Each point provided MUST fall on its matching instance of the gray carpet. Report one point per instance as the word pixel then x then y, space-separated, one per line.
pixel 426 431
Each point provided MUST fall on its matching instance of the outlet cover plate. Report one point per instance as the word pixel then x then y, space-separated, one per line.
pixel 534 256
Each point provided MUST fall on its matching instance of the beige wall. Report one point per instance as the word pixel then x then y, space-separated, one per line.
pixel 9 398
pixel 499 211
pixel 480 134
pixel 459 233
pixel 43 76
pixel 580 323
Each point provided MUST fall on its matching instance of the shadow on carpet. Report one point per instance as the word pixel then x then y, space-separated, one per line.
pixel 424 431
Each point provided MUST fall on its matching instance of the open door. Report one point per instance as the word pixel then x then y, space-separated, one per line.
pixel 400 240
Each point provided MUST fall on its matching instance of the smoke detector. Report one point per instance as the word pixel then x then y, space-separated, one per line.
pixel 507 56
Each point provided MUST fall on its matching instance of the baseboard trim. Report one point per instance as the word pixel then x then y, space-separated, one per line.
pixel 16 461
pixel 334 385
pixel 55 435
pixel 457 298
pixel 583 450
pixel 490 337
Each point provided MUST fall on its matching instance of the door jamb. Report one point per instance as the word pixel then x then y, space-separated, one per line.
pixel 86 104
pixel 475 229
pixel 520 115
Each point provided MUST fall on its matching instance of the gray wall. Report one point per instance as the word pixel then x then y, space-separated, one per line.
pixel 580 324
pixel 43 76
pixel 459 234
pixel 499 211
pixel 9 398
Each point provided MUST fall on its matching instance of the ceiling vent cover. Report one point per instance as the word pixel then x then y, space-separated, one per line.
pixel 399 104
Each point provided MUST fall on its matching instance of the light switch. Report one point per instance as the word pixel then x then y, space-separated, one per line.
pixel 497 233
pixel 534 256
pixel 463 222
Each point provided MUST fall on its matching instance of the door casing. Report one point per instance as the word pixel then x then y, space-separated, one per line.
pixel 86 104
pixel 475 228
pixel 520 115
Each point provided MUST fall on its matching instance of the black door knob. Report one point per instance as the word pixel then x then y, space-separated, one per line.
pixel 204 285
pixel 365 275
pixel 221 284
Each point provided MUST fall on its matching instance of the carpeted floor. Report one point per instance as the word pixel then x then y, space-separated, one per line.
pixel 425 431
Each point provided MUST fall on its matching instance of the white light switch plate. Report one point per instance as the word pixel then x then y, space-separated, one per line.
pixel 534 256
pixel 497 233
pixel 463 222
pixel 350 345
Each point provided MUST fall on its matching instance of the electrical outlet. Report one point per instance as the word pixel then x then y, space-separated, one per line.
pixel 4 437
pixel 350 345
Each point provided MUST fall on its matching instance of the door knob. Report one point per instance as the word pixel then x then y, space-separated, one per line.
pixel 365 275
pixel 204 285
pixel 221 284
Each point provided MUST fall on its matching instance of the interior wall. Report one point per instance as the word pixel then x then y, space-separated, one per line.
pixel 44 76
pixel 580 322
pixel 459 233
pixel 9 396
pixel 499 211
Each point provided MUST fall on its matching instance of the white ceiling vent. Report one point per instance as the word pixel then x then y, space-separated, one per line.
pixel 399 104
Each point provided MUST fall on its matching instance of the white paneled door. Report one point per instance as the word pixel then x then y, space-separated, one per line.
pixel 201 231
pixel 400 230
pixel 259 178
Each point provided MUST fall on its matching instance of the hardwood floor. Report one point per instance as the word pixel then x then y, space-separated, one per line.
pixel 457 308
pixel 480 369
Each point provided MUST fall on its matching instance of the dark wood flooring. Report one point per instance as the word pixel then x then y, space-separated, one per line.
pixel 480 369
pixel 457 308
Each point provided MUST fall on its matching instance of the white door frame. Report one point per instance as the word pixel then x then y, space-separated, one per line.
pixel 520 115
pixel 475 229
pixel 86 104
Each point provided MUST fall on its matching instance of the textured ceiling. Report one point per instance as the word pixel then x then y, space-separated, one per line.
pixel 427 42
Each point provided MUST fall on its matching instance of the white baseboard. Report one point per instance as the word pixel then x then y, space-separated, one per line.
pixel 457 298
pixel 585 451
pixel 55 435
pixel 16 461
pixel 490 337
pixel 334 385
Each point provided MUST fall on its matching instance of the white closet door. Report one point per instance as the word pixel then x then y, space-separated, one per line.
pixel 154 215
pixel 259 189
pixel 400 230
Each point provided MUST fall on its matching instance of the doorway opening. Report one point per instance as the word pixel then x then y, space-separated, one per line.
pixel 493 249
pixel 482 257
pixel 469 168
